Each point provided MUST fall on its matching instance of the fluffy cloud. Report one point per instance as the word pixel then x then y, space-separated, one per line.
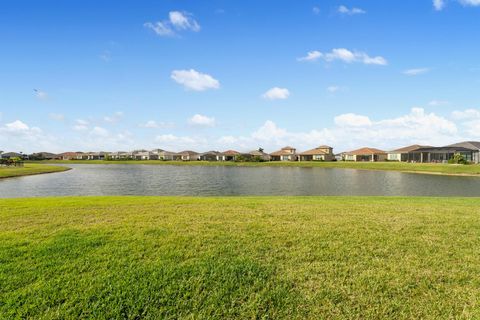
pixel 470 120
pixel 194 80
pixel 152 124
pixel 352 120
pixel 440 4
pixel 57 116
pixel 436 103
pixel 80 125
pixel 350 12
pixel 177 21
pixel 416 72
pixel 201 121
pixel 276 93
pixel 117 116
pixel 100 132
pixel 344 55
pixel 18 136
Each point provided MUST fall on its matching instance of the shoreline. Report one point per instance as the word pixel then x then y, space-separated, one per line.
pixel 31 169
pixel 431 169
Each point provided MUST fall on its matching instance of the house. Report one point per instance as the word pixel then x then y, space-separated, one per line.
pixel 8 155
pixel 210 156
pixel 82 156
pixel 68 156
pixel 229 155
pixel 259 155
pixel 188 155
pixel 97 155
pixel 321 153
pixel 144 155
pixel 284 154
pixel 168 155
pixel 120 155
pixel 366 154
pixel 405 154
pixel 44 156
pixel 472 145
pixel 442 154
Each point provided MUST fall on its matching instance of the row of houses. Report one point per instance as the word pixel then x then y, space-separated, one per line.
pixel 470 150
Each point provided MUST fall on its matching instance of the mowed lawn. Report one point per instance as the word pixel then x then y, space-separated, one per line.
pixel 29 169
pixel 240 258
pixel 434 168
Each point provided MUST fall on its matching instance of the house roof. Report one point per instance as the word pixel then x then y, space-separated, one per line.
pixel 210 152
pixel 473 145
pixel 319 150
pixel 413 147
pixel 188 152
pixel 67 154
pixel 258 153
pixel 231 152
pixel 443 149
pixel 366 150
pixel 285 151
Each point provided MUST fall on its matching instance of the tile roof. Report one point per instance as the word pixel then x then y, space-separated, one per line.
pixel 365 150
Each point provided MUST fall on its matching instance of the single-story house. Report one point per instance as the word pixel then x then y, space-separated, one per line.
pixel 472 145
pixel 405 154
pixel 120 155
pixel 188 155
pixel 68 156
pixel 44 156
pixel 8 155
pixel 284 154
pixel 230 155
pixel 441 154
pixel 210 156
pixel 366 154
pixel 258 154
pixel 144 155
pixel 97 155
pixel 168 155
pixel 321 153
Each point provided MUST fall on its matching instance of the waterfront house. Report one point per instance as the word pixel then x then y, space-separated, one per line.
pixel 284 154
pixel 188 155
pixel 210 156
pixel 472 145
pixel 366 154
pixel 259 155
pixel 321 153
pixel 405 154
pixel 97 155
pixel 168 155
pixel 229 155
pixel 68 156
pixel 443 154
pixel 144 155
pixel 120 155
pixel 8 155
pixel 44 156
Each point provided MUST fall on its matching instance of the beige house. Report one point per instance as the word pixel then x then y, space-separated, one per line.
pixel 404 154
pixel 188 155
pixel 322 153
pixel 366 154
pixel 284 154
pixel 229 155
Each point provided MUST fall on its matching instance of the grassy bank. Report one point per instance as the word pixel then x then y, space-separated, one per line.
pixel 432 168
pixel 301 257
pixel 29 169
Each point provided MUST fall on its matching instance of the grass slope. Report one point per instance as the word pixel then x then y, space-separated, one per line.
pixel 226 258
pixel 434 168
pixel 29 169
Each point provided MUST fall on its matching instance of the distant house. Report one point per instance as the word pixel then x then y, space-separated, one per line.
pixel 210 156
pixel 97 155
pixel 188 155
pixel 322 153
pixel 284 154
pixel 229 155
pixel 8 155
pixel 144 155
pixel 169 155
pixel 68 156
pixel 405 154
pixel 44 156
pixel 365 154
pixel 82 156
pixel 472 145
pixel 260 155
pixel 120 155
pixel 443 154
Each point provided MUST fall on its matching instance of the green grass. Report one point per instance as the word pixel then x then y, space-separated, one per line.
pixel 433 168
pixel 29 169
pixel 245 257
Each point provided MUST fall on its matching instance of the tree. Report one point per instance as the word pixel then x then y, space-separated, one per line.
pixel 458 158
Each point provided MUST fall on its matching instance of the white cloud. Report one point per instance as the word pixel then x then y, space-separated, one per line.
pixel 201 121
pixel 416 72
pixel 438 4
pixel 194 80
pixel 473 3
pixel 436 103
pixel 177 21
pixel 316 10
pixel 57 116
pixel 100 132
pixel 276 93
pixel 352 120
pixel 344 10
pixel 41 95
pixel 117 116
pixel 346 56
pixel 470 121
pixel 466 114
pixel 80 125
pixel 152 124
pixel 19 136
pixel 183 21
pixel 333 89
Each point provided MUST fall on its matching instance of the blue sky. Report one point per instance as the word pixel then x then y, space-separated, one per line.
pixel 121 75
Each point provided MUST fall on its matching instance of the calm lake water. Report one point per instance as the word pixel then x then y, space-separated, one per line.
pixel 90 179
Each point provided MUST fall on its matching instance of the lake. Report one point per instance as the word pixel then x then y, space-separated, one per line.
pixel 93 179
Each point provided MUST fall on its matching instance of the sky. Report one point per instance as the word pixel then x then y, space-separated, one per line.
pixel 237 74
